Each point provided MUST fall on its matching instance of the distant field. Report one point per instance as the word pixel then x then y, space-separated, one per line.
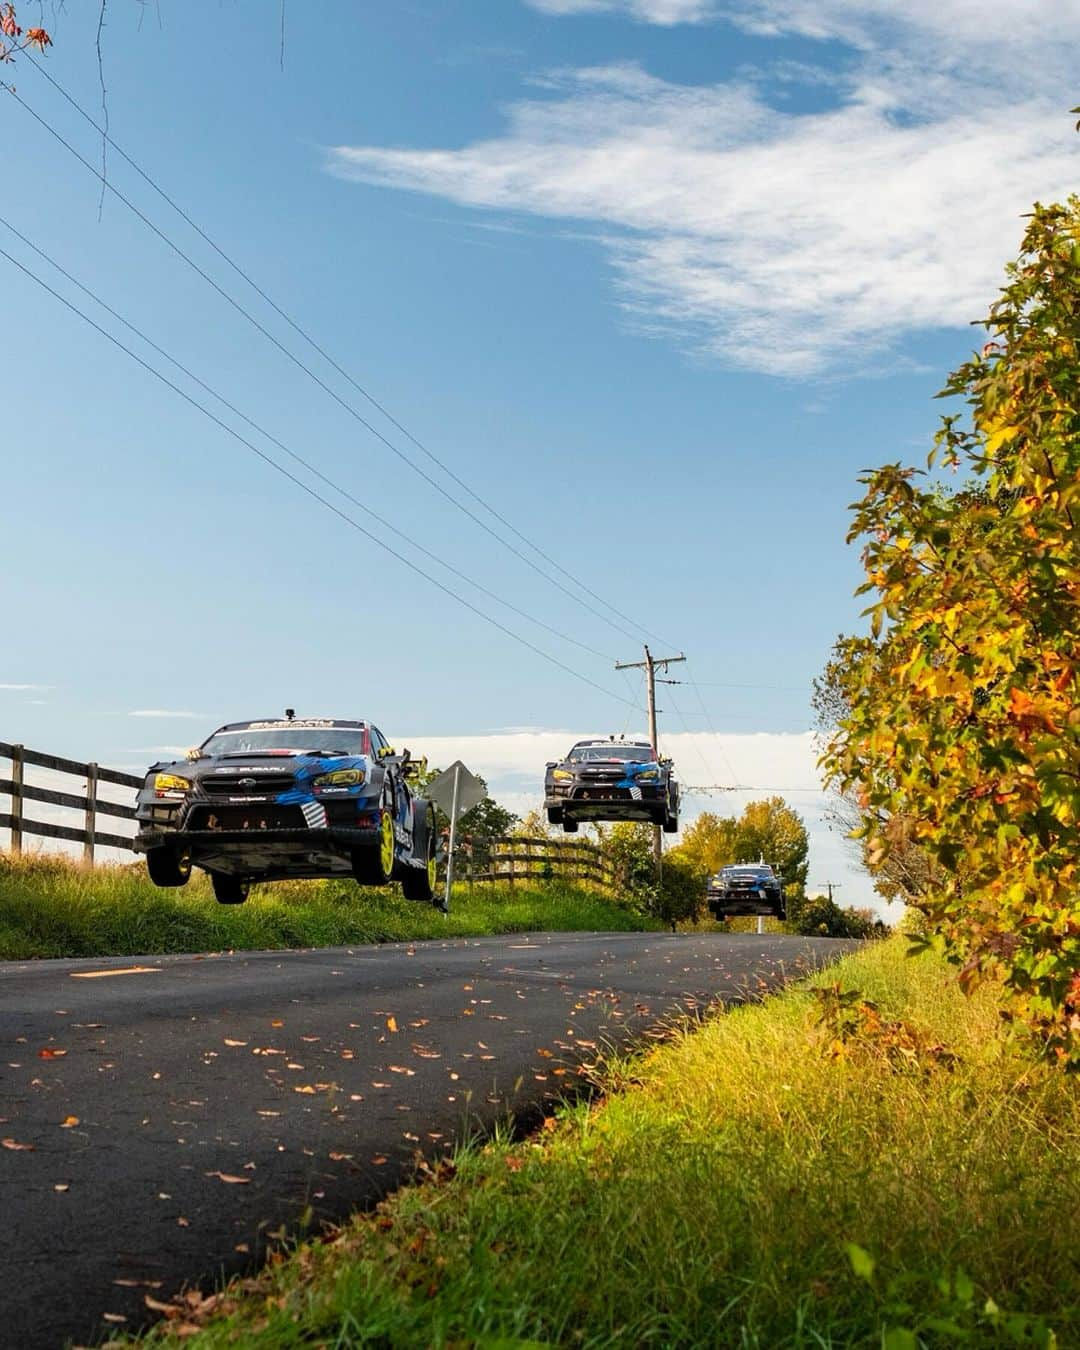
pixel 53 907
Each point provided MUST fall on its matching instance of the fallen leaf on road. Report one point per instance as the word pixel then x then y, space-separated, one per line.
pixel 467 1012
pixel 309 1038
pixel 420 1022
pixel 51 1052
pixel 16 1147
pixel 380 1085
pixel 306 1088
pixel 113 1317
pixel 268 1113
pixel 340 1157
pixel 182 1222
pixel 292 1065
pixel 356 1096
pixel 378 1160
pixel 69 1122
pixel 424 1053
pixel 62 1186
pixel 156 1305
pixel 277 1022
pixel 229 1179
pixel 391 1024
pixel 546 1054
pixel 228 1041
pixel 242 1247
pixel 400 1068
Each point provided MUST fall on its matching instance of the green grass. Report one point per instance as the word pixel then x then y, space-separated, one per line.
pixel 52 907
pixel 708 1200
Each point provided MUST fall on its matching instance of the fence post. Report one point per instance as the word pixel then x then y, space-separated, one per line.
pixel 16 798
pixel 91 813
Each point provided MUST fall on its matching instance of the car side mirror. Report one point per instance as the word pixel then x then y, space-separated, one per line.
pixel 551 763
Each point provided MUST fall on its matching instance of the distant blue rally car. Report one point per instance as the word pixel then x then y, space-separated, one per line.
pixel 295 797
pixel 611 780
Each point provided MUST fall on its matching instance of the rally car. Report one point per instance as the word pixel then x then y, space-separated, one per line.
pixel 295 797
pixel 746 888
pixel 611 780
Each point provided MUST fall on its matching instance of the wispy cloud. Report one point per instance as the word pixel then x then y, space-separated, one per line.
pixel 167 712
pixel 792 242
pixel 26 688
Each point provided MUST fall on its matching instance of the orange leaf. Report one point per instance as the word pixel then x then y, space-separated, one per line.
pixel 549 1123
pixel 51 1052
pixel 306 1088
pixel 69 1122
pixel 391 1024
pixel 229 1179
pixel 16 1147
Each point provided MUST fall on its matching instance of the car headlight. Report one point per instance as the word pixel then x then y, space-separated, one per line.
pixel 339 778
pixel 561 775
pixel 648 775
pixel 170 782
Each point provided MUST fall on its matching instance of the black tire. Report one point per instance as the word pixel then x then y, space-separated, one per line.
pixel 373 864
pixel 168 866
pixel 554 815
pixel 418 883
pixel 228 889
pixel 671 825
pixel 570 826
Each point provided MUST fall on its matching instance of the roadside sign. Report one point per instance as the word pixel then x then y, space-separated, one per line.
pixel 469 792
pixel 455 790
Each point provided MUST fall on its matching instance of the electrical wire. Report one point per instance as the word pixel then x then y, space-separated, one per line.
pixel 304 487
pixel 103 132
pixel 299 459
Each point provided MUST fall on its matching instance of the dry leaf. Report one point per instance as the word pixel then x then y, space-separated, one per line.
pixel 182 1222
pixel 400 1068
pixel 277 1023
pixel 306 1088
pixel 391 1024
pixel 69 1122
pixel 549 1123
pixel 228 1041
pixel 378 1160
pixel 113 1317
pixel 51 1052
pixel 16 1147
pixel 546 1054
pixel 229 1179
pixel 62 1186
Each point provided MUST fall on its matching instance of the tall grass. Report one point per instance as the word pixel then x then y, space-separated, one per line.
pixel 53 907
pixel 756 1184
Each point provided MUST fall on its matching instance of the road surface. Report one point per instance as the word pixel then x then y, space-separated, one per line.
pixel 163 1118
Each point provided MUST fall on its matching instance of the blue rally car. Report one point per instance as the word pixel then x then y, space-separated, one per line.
pixel 296 797
pixel 611 780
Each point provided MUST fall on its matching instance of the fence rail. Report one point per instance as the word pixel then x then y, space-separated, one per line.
pixel 508 858
pixel 90 802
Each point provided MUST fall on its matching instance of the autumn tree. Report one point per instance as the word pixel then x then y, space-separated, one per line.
pixel 771 830
pixel 14 39
pixel 964 724
pixel 708 844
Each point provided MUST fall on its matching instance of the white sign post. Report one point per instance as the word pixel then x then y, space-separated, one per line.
pixel 456 791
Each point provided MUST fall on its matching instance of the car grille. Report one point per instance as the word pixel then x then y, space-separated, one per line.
pixel 601 792
pixel 247 785
pixel 254 817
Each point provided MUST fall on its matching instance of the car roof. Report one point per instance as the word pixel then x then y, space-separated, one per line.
pixel 606 740
pixel 283 723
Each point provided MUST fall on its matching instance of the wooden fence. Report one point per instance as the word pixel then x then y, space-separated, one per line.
pixel 88 801
pixel 513 858
pixel 508 858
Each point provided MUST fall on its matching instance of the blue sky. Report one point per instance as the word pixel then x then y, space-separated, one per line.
pixel 656 278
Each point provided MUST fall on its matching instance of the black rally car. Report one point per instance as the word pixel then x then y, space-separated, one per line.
pixel 295 797
pixel 611 780
pixel 746 888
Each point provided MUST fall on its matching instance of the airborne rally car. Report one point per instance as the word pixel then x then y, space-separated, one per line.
pixel 611 780
pixel 746 888
pixel 299 797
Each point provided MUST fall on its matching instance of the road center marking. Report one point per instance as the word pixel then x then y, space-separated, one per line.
pixel 127 970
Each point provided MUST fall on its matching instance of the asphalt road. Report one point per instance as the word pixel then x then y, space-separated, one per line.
pixel 163 1118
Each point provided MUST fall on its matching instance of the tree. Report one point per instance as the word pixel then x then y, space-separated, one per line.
pixel 708 844
pixel 772 831
pixel 14 39
pixel 963 730
pixel 680 894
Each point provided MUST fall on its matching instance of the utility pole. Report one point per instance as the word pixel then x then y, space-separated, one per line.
pixel 830 886
pixel 651 665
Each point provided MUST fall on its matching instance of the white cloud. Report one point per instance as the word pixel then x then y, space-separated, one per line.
pixel 790 241
pixel 26 688
pixel 763 764
pixel 167 712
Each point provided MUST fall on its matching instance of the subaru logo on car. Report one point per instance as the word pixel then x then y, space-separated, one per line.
pixel 248 782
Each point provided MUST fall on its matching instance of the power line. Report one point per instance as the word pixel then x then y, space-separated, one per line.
pixel 304 487
pixel 299 459
pixel 317 347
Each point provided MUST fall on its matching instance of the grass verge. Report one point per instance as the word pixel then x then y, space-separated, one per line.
pixel 901 1179
pixel 52 907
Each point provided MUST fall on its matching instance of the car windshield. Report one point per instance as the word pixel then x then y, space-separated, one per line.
pixel 295 740
pixel 584 754
pixel 762 872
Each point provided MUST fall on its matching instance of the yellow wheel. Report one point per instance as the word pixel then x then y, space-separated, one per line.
pixel 432 869
pixel 386 843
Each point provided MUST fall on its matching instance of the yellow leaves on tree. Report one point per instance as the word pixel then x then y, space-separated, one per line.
pixel 959 714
